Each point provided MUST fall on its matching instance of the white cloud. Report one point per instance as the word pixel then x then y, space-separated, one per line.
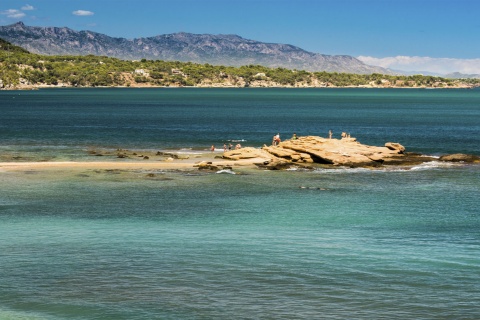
pixel 27 7
pixel 16 14
pixel 435 65
pixel 13 13
pixel 83 13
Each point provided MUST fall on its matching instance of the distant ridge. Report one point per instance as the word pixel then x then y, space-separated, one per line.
pixel 228 50
pixel 458 75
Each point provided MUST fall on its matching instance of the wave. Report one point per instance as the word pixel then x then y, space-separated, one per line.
pixel 226 171
pixel 341 170
pixel 431 165
pixel 435 165
pixel 237 140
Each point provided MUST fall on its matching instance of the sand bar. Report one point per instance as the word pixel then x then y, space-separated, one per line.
pixel 119 165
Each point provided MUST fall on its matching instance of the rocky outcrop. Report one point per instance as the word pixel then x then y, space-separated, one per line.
pixel 314 149
pixel 249 153
pixel 395 146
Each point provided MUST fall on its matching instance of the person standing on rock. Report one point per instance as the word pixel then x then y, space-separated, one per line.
pixel 276 139
pixel 330 134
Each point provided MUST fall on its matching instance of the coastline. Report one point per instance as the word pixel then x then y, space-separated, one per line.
pixel 22 87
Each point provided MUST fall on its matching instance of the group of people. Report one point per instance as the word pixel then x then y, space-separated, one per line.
pixel 275 141
pixel 345 135
pixel 227 147
pixel 276 138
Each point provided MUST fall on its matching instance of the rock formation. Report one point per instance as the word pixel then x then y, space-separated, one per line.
pixel 336 152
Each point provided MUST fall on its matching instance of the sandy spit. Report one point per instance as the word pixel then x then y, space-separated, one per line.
pixel 117 165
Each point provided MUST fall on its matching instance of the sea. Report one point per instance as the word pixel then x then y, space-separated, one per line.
pixel 246 243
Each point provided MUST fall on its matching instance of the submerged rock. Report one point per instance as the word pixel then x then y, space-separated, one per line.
pixel 460 157
pixel 274 165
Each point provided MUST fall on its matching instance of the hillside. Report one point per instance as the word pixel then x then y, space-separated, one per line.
pixel 20 69
pixel 227 50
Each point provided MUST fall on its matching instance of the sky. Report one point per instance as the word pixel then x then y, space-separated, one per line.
pixel 439 36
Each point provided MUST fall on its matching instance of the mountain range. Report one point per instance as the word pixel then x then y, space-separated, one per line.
pixel 228 50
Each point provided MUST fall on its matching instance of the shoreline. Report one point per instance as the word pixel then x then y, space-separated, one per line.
pixel 63 86
pixel 198 163
pixel 205 164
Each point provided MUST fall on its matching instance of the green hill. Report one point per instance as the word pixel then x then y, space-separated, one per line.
pixel 20 69
pixel 8 47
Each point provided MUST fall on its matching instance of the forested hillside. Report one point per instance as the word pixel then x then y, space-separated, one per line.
pixel 20 69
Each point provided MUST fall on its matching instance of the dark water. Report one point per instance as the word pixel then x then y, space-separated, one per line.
pixel 352 244
pixel 427 121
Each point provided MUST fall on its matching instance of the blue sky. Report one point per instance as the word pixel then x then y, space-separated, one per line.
pixel 402 34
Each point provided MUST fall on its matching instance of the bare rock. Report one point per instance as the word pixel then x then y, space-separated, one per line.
pixel 395 146
pixel 206 165
pixel 344 152
pixel 247 153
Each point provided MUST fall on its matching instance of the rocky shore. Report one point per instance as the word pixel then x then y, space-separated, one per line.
pixel 309 150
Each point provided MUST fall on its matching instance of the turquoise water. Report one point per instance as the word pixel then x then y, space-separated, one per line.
pixel 300 244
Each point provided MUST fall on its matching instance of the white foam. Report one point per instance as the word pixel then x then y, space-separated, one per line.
pixel 226 171
pixel 431 165
pixel 342 170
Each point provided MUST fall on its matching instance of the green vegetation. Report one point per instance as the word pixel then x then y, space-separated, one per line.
pixel 21 69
